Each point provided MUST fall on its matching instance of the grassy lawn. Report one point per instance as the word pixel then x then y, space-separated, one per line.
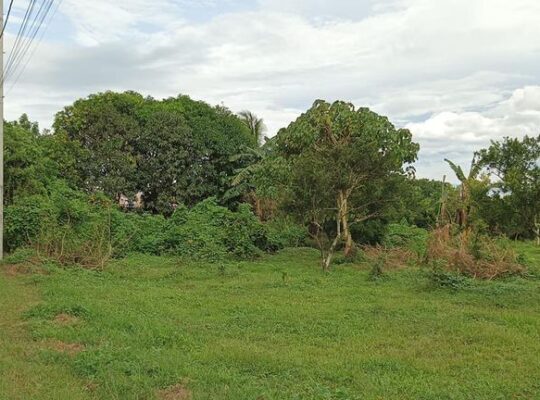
pixel 276 328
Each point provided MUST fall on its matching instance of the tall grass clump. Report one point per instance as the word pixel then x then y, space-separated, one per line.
pixel 472 254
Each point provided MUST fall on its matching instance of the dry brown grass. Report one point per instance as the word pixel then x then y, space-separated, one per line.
pixel 71 349
pixel 66 320
pixel 176 392
pixel 477 257
pixel 394 258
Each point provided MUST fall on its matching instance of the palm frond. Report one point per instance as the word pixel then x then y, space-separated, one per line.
pixel 457 170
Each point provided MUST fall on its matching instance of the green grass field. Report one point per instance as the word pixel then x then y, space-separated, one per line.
pixel 275 328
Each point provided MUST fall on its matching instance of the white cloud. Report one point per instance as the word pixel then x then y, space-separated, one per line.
pixel 449 70
pixel 459 134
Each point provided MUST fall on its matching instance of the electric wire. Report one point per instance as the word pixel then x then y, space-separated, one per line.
pixel 20 35
pixel 32 33
pixel 7 19
pixel 29 33
pixel 43 32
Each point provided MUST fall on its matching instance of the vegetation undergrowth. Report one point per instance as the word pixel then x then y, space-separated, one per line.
pixel 473 255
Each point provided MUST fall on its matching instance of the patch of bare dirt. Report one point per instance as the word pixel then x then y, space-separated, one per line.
pixel 66 319
pixel 71 349
pixel 91 387
pixel 176 392
pixel 14 270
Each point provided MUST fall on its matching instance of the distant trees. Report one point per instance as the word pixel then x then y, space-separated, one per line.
pixel 514 165
pixel 340 172
pixel 341 160
pixel 176 151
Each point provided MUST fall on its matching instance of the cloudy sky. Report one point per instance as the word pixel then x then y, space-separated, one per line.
pixel 458 73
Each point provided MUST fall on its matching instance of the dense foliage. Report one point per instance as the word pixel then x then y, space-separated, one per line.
pixel 515 203
pixel 175 151
pixel 336 178
pixel 345 165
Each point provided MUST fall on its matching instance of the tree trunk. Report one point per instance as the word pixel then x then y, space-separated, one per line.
pixel 327 257
pixel 327 260
pixel 344 217
pixel 257 205
pixel 537 229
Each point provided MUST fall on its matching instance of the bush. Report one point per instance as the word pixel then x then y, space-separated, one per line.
pixel 74 228
pixel 444 279
pixel 135 233
pixel 472 254
pixel 212 232
pixel 407 237
pixel 282 232
pixel 64 225
pixel 24 220
pixel 376 273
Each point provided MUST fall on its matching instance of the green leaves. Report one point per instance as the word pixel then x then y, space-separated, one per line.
pixel 515 205
pixel 457 170
pixel 176 151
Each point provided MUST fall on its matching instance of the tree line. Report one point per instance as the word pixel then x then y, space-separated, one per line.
pixel 339 173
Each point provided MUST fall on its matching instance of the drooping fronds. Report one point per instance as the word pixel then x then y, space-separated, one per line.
pixel 255 124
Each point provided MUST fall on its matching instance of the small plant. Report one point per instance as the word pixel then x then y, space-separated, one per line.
pixel 443 279
pixel 285 278
pixel 377 268
pixel 222 270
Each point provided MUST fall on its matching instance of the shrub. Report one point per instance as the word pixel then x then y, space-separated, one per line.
pixel 24 220
pixel 135 233
pixel 282 232
pixel 376 273
pixel 74 228
pixel 472 254
pixel 441 278
pixel 407 237
pixel 64 225
pixel 212 232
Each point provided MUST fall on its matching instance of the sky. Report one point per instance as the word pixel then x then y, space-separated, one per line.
pixel 457 73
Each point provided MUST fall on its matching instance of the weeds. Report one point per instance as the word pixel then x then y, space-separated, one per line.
pixel 472 254
pixel 377 269
pixel 441 278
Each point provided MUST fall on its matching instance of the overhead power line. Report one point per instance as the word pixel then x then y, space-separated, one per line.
pixel 35 16
pixel 20 36
pixel 7 18
pixel 32 33
pixel 36 45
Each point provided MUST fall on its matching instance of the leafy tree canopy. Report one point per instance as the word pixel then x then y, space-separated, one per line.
pixel 343 160
pixel 515 164
pixel 176 151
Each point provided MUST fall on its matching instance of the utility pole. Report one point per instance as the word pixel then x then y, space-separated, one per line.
pixel 2 132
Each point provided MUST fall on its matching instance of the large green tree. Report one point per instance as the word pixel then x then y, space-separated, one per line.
pixel 515 166
pixel 26 169
pixel 176 151
pixel 342 160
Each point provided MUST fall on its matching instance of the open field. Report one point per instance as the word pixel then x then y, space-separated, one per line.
pixel 275 328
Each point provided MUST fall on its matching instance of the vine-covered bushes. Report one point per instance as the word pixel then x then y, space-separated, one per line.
pixel 74 228
pixel 62 224
pixel 407 237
